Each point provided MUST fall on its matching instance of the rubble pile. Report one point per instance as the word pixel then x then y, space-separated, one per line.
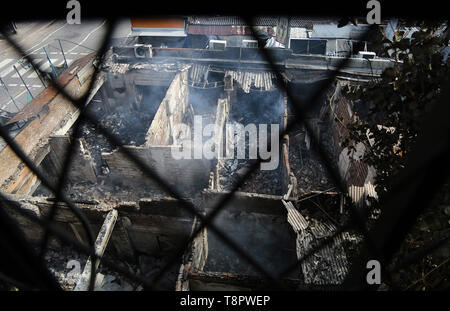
pixel 125 122
pixel 260 181
pixel 263 182
pixel 67 265
pixel 104 190
pixel 131 126
pixel 107 191
pixel 151 266
pixel 307 167
pixel 232 170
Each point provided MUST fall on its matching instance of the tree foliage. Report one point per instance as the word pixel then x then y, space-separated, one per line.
pixel 399 99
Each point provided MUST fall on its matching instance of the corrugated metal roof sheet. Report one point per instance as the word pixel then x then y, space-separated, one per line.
pixel 230 20
pixel 198 72
pixel 295 21
pixel 354 171
pixel 247 79
pixel 295 219
pixel 308 22
pixel 328 265
pixel 224 30
pixel 359 194
pixel 120 68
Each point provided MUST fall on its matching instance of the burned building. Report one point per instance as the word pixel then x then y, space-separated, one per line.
pixel 171 105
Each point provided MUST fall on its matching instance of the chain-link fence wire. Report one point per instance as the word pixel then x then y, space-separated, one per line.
pixel 301 109
pixel 428 162
pixel 85 114
pixel 66 163
pixel 64 237
pixel 205 221
pixel 18 256
pixel 71 151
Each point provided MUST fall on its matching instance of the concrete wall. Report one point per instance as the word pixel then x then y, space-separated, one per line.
pixel 223 110
pixel 258 224
pixel 156 227
pixel 162 139
pixel 287 176
pixel 82 165
pixel 148 226
pixel 184 174
pixel 174 109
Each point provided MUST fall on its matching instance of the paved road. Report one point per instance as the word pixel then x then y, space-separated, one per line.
pixel 76 41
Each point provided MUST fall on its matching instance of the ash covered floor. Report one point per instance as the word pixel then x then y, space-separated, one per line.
pixel 67 264
pixel 266 237
pixel 253 108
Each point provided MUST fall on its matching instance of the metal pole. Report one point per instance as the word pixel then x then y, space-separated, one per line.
pixel 7 91
pixel 23 81
pixel 62 51
pixel 54 70
pixel 31 65
pixel 39 75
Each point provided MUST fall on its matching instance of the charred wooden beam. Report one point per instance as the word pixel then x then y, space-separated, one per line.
pixel 222 280
pixel 100 245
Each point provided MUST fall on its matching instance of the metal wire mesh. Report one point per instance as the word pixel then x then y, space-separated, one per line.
pixel 374 249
